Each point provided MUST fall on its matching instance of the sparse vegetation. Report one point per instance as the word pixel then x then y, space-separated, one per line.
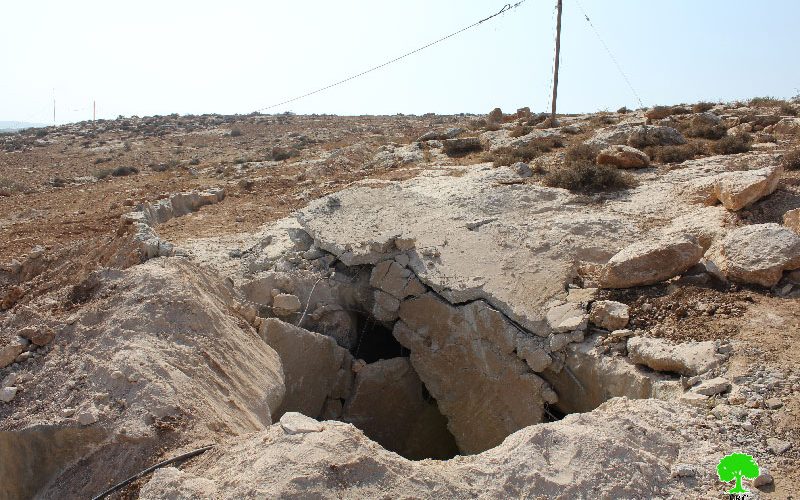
pixel 124 171
pixel 581 153
pixel 102 174
pixel 733 144
pixel 236 132
pixel 787 109
pixel 673 154
pixel 702 107
pixel 791 160
pixel 765 102
pixel 9 187
pixel 508 155
pixel 519 131
pixel 585 177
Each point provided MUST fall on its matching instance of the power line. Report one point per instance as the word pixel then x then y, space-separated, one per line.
pixel 610 54
pixel 506 8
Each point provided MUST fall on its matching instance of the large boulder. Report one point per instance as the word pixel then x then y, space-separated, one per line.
pixel 791 219
pixel 388 404
pixel 688 359
pixel 789 126
pixel 736 190
pixel 637 135
pixel 623 157
pixel 757 254
pixel 308 384
pixel 651 261
pixel 466 357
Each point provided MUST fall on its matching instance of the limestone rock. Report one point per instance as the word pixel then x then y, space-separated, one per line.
pixel 308 383
pixel 441 134
pixel 623 157
pixel 285 304
pixel 387 404
pixel 39 335
pixel 736 190
pixel 688 359
pixel 637 135
pixel 778 446
pixel 7 394
pixel 11 350
pixel 531 349
pixel 651 260
pixel 791 219
pixel 88 416
pixel 567 317
pixel 757 254
pixel 396 280
pixel 694 399
pixel 297 423
pixel 522 169
pixel 582 295
pixel 385 307
pixel 609 314
pixel 465 356
pixel 788 126
pixel 712 387
pixel 763 479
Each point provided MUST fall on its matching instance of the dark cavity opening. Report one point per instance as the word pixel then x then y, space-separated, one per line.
pixel 376 342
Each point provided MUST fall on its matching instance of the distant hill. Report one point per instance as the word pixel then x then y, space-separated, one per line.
pixel 10 126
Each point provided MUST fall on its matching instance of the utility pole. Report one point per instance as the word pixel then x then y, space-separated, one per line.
pixel 555 70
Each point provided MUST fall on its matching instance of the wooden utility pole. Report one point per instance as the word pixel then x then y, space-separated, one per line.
pixel 558 57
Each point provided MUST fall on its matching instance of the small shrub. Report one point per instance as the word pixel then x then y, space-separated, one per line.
pixel 519 131
pixel 98 161
pixel 673 154
pixel 9 187
pixel 194 161
pixel 124 171
pixel 787 109
pixel 706 130
pixel 41 133
pixel 281 153
pixel 623 110
pixel 791 160
pixel 102 174
pixel 493 126
pixel 235 132
pixel 702 107
pixel 659 113
pixel 581 153
pixel 506 156
pixel 764 102
pixel 127 146
pixel 733 144
pixel 585 177
pixel 58 182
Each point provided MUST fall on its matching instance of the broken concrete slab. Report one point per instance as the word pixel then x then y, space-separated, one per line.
pixel 609 314
pixel 308 384
pixel 465 356
pixel 757 254
pixel 651 261
pixel 689 359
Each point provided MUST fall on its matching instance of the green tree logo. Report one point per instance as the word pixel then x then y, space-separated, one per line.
pixel 734 467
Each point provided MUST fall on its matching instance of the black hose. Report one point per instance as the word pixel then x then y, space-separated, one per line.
pixel 151 469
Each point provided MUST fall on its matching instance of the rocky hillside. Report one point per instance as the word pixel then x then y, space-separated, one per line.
pixel 461 306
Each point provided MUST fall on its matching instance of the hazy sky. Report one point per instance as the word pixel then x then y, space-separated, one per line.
pixel 235 56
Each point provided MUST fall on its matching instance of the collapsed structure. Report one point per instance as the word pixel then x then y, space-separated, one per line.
pixel 443 316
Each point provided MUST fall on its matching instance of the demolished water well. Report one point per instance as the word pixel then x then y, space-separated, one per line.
pixel 422 376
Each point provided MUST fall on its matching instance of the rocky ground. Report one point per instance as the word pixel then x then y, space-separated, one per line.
pixel 437 306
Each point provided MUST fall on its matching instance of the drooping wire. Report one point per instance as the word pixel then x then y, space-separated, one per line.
pixel 610 54
pixel 506 8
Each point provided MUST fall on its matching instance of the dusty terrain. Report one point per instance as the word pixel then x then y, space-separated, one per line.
pixel 439 306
